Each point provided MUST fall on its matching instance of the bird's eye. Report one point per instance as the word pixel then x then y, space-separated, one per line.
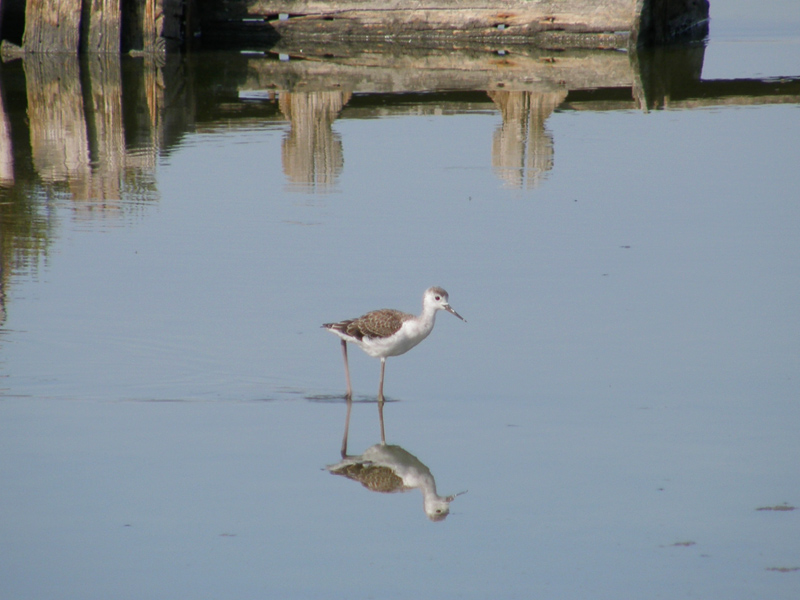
pixel 438 297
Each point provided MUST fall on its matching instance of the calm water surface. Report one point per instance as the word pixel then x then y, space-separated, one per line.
pixel 622 405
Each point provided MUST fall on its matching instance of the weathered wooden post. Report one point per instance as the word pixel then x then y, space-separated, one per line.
pixel 154 25
pixel 659 21
pixel 52 26
pixel 97 26
pixel 71 26
pixel 102 24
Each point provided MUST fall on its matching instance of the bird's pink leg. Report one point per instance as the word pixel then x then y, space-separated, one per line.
pixel 347 370
pixel 380 385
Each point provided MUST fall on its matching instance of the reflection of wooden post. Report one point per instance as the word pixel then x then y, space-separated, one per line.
pixel 6 153
pixel 154 94
pixel 125 154
pixel 522 149
pixel 6 253
pixel 662 72
pixel 52 25
pixel 144 129
pixel 312 152
pixel 106 137
pixel 55 112
pixel 102 27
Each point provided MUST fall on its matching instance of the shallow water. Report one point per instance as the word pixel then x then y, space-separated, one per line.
pixel 621 404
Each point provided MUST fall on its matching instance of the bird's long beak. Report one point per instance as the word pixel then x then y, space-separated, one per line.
pixel 454 496
pixel 449 309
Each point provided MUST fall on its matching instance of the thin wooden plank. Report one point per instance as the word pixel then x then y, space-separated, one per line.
pixel 591 11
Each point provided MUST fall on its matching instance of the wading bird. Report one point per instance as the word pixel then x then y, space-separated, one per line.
pixel 387 332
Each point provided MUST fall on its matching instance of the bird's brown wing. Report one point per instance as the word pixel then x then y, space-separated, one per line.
pixel 378 323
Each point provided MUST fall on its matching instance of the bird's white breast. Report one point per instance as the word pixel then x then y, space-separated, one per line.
pixel 409 335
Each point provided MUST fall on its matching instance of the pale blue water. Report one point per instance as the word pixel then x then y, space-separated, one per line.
pixel 621 402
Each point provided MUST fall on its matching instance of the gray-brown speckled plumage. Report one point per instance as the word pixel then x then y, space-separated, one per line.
pixel 377 323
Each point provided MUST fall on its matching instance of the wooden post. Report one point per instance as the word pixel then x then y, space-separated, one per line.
pixel 154 25
pixel 96 26
pixel 102 24
pixel 660 21
pixel 52 26
pixel 153 20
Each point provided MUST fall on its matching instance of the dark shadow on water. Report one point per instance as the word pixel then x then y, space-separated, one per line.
pixel 342 398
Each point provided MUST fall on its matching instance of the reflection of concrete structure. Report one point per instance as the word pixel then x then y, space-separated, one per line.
pixel 522 149
pixel 100 129
pixel 312 152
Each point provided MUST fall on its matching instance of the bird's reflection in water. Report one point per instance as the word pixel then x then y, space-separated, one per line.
pixel 388 468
